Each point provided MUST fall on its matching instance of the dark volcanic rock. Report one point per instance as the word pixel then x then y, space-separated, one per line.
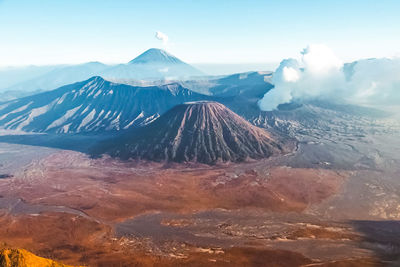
pixel 205 132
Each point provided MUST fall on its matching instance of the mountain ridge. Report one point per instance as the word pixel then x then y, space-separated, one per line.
pixel 92 105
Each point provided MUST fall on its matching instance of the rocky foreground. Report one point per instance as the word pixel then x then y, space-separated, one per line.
pixel 23 258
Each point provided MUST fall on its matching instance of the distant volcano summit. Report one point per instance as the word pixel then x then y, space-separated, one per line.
pixel 153 64
pixel 205 132
pixel 155 55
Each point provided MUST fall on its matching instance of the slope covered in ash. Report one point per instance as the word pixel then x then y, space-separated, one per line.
pixel 251 84
pixel 91 106
pixel 246 84
pixel 205 132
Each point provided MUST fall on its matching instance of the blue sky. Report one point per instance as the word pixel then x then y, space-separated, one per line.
pixel 200 31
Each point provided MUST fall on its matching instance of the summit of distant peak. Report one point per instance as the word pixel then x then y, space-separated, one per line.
pixel 96 78
pixel 155 55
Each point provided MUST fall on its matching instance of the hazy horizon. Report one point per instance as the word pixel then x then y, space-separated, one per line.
pixel 206 68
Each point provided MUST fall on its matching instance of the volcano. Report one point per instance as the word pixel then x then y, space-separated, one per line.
pixel 153 64
pixel 205 132
pixel 155 55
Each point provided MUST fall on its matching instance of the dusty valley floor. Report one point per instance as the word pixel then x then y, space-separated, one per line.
pixel 333 201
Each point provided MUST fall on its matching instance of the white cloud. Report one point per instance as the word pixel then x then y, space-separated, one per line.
pixel 162 37
pixel 320 74
pixel 320 59
pixel 290 74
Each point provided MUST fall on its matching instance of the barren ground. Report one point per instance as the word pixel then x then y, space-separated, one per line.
pixel 328 203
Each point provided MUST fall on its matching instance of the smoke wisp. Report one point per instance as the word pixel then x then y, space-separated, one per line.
pixel 162 37
pixel 319 74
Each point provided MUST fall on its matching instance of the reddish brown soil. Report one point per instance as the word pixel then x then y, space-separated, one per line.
pixel 113 191
pixel 71 239
pixel 104 192
pixel 244 257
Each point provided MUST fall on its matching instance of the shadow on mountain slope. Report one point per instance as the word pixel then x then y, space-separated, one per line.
pixel 76 142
